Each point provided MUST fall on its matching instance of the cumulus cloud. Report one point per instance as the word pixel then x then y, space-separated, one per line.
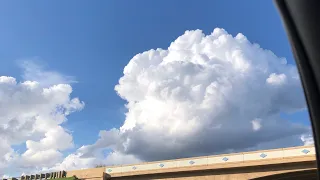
pixel 204 94
pixel 33 114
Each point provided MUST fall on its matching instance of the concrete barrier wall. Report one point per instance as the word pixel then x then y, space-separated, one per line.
pixel 211 160
pixel 88 174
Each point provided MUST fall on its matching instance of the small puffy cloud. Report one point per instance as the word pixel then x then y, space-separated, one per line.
pixel 77 161
pixel 256 125
pixel 74 161
pixel 307 139
pixel 34 113
pixel 47 151
pixel 52 139
pixel 275 79
pixel 118 158
pixel 40 158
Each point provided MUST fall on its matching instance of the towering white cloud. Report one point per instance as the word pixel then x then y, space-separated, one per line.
pixel 205 94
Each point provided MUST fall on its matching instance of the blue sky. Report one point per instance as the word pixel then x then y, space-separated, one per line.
pixel 94 40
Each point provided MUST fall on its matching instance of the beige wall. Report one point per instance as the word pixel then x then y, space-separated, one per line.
pixel 241 173
pixel 90 174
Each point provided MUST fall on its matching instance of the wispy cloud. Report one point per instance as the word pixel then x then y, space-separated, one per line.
pixel 35 70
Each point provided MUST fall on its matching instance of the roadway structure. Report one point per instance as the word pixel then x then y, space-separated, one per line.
pixel 286 163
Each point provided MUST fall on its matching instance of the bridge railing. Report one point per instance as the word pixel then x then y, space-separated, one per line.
pixel 217 159
pixel 40 176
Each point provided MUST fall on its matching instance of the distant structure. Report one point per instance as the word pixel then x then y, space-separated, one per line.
pixel 52 175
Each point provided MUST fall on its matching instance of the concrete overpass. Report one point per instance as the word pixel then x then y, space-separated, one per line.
pixel 293 163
